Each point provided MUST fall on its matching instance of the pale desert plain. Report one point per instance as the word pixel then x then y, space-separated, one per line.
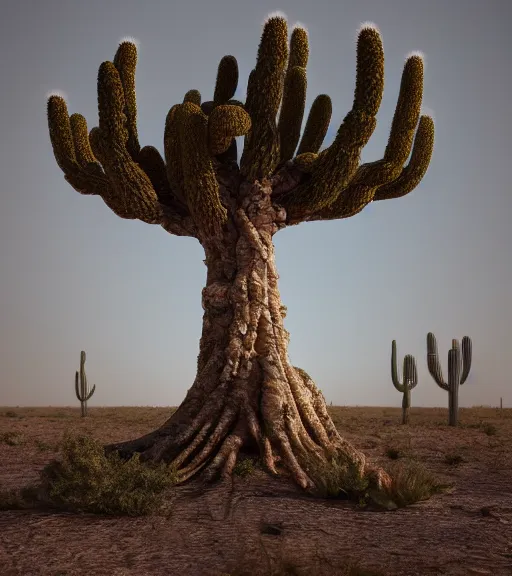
pixel 255 524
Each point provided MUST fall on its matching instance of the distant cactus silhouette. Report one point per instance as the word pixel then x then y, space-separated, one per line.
pixel 81 386
pixel 458 371
pixel 410 379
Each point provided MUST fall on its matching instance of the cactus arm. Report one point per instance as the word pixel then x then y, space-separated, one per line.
pixel 151 161
pixel 360 193
pixel 264 94
pixel 226 122
pixel 413 173
pixel 134 196
pixel 316 126
pixel 466 358
pixel 77 389
pixel 173 157
pixel 105 162
pixel 91 392
pixel 370 180
pixel 434 367
pixel 336 166
pixel 394 369
pixel 88 179
pixel 125 61
pixel 294 95
pixel 193 96
pixel 200 183
pixel 227 80
pixel 292 112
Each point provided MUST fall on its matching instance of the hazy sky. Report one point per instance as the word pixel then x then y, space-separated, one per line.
pixel 76 277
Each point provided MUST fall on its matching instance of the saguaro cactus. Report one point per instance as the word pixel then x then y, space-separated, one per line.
pixel 458 371
pixel 81 386
pixel 410 379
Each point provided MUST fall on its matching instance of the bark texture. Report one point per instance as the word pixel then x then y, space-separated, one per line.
pixel 247 396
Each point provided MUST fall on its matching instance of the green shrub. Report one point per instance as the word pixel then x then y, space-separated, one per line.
pixel 85 480
pixel 454 459
pixel 412 483
pixel 244 467
pixel 12 438
pixel 393 453
pixel 337 478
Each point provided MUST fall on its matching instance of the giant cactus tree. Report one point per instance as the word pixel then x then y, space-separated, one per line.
pixel 247 397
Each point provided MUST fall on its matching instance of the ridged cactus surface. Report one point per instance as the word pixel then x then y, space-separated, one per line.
pixel 410 380
pixel 458 371
pixel 81 387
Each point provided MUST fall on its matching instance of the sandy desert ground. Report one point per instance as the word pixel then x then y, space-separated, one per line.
pixel 257 525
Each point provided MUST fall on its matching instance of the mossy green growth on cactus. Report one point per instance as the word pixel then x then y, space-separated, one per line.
pixel 316 126
pixel 410 379
pixel 81 388
pixel 264 93
pixel 125 62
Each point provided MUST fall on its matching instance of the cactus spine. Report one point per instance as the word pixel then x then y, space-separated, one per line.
pixel 458 371
pixel 410 379
pixel 81 386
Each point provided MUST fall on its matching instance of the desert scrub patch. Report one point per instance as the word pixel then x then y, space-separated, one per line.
pixel 489 429
pixel 454 459
pixel 18 499
pixel 12 414
pixel 411 482
pixel 10 499
pixel 485 427
pixel 43 446
pixel 84 479
pixel 12 438
pixel 244 467
pixel 337 478
pixel 393 453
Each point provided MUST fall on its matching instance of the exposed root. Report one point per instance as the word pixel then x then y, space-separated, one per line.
pixel 226 457
pixel 223 425
pixel 198 440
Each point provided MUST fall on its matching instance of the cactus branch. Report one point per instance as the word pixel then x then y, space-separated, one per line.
pixel 336 165
pixel 264 93
pixel 125 62
pixel 294 94
pixel 316 126
pixel 227 80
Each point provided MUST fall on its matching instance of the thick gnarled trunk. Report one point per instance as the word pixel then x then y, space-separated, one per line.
pixel 247 396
